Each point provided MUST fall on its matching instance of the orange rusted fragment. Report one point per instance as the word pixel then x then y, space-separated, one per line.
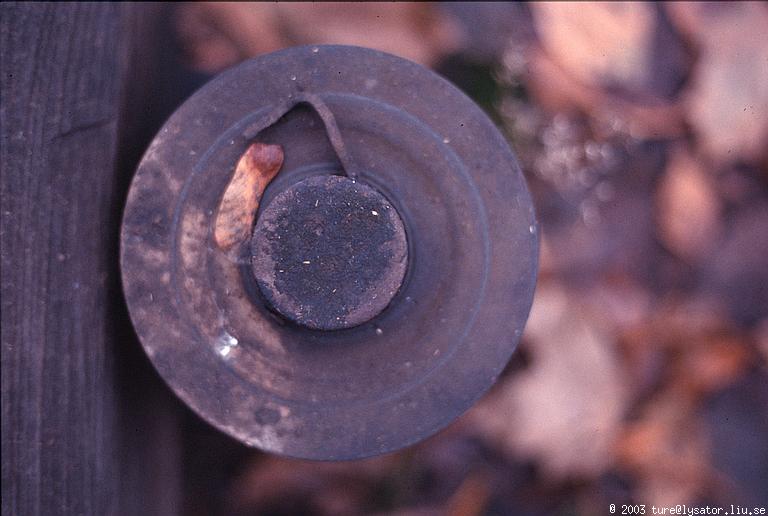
pixel 256 168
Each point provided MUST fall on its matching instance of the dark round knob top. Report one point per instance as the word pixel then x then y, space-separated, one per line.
pixel 329 252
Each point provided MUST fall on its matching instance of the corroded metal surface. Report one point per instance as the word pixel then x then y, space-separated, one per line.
pixel 399 375
pixel 329 253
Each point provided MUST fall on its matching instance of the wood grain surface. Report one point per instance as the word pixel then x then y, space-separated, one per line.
pixel 87 428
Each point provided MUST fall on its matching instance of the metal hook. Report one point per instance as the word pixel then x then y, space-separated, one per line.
pixel 325 114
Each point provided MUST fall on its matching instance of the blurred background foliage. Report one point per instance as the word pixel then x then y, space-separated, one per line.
pixel 642 130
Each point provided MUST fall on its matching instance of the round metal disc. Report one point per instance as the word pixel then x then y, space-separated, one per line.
pixel 329 253
pixel 402 371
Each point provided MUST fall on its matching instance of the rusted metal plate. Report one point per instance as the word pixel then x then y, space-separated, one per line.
pixel 266 374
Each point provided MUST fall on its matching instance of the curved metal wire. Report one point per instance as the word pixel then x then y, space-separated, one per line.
pixel 325 114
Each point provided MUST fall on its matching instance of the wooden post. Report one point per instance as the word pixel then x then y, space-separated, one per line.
pixel 87 428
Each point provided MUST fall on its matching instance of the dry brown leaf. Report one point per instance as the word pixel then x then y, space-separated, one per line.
pixel 616 61
pixel 687 346
pixel 727 102
pixel 563 412
pixel 419 32
pixel 714 364
pixel 625 46
pixel 556 90
pixel 471 498
pixel 620 302
pixel 218 35
pixel 667 452
pixel 338 488
pixel 688 207
pixel 598 43
pixel 677 318
pixel 258 165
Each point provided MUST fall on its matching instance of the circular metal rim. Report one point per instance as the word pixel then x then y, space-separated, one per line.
pixel 491 341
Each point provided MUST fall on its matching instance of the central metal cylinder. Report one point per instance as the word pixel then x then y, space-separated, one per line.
pixel 329 252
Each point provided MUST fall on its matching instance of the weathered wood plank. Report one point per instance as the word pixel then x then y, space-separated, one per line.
pixel 70 429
